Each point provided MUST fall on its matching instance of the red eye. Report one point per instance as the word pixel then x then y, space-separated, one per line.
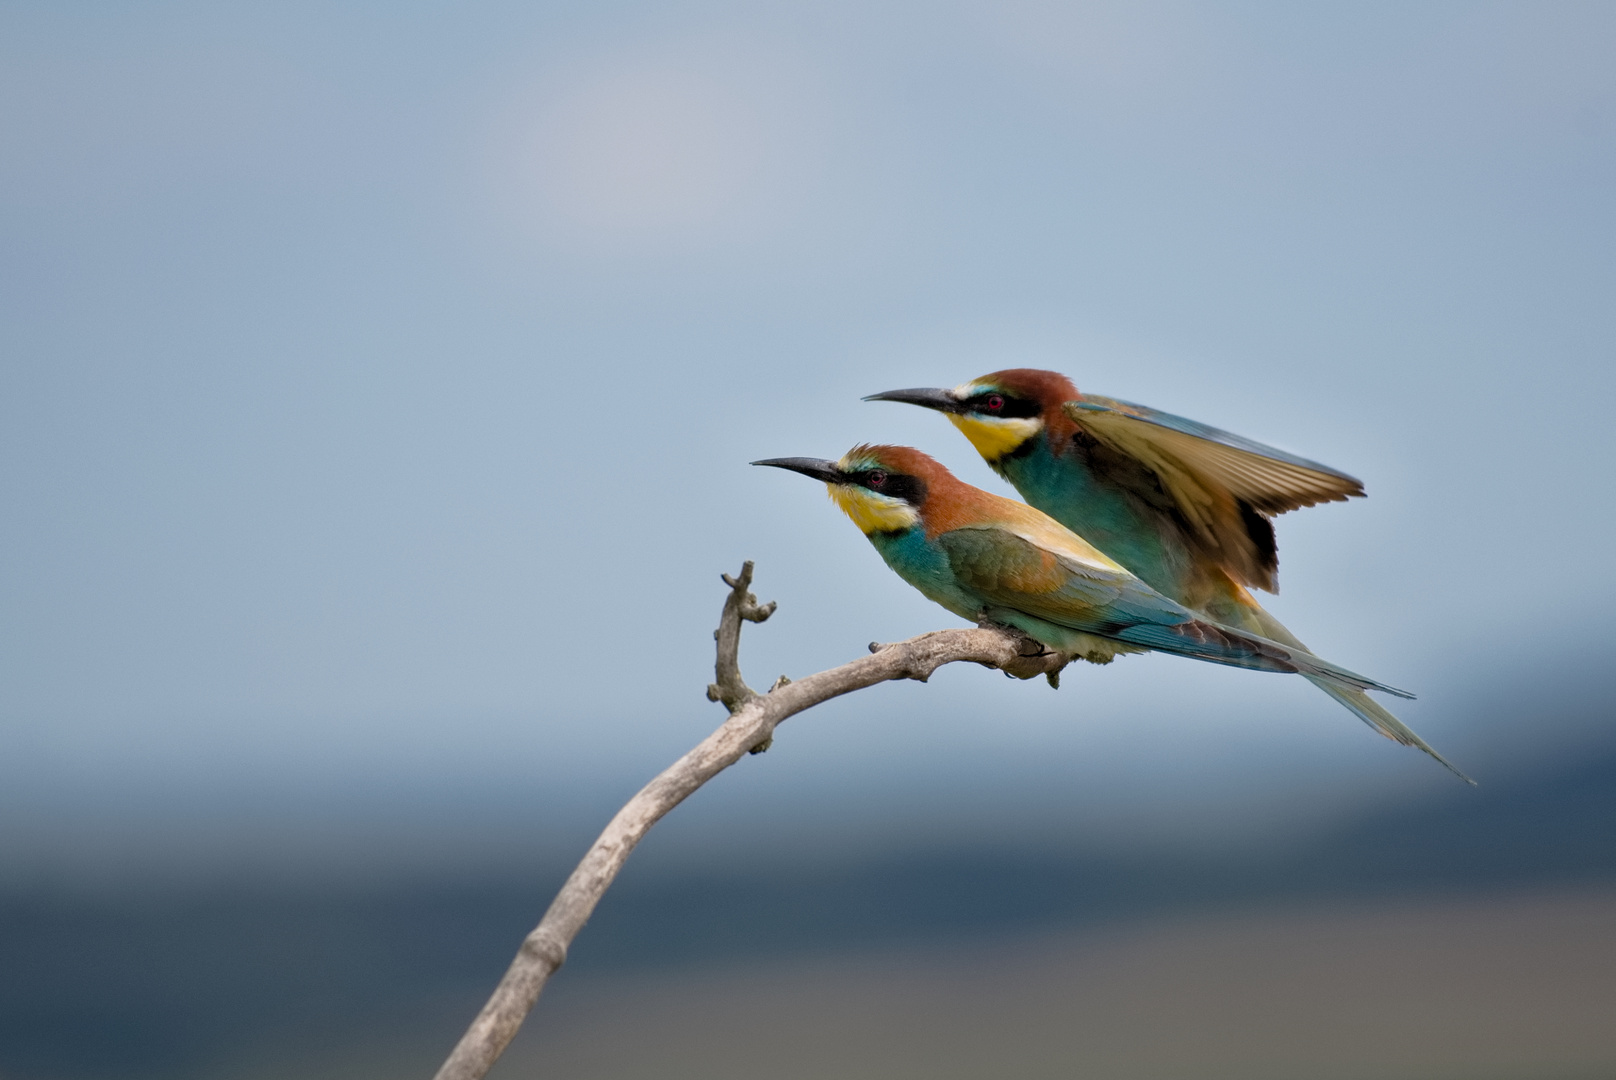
pixel 876 478
pixel 995 403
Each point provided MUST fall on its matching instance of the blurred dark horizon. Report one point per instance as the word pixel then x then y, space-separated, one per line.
pixel 224 971
pixel 1542 710
pixel 233 969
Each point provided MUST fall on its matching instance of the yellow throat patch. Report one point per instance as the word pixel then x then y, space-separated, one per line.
pixel 995 436
pixel 873 512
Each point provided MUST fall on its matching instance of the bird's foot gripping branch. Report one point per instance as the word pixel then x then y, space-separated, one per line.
pixel 749 729
pixel 1033 657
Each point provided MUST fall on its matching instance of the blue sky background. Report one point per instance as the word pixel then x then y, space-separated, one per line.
pixel 377 386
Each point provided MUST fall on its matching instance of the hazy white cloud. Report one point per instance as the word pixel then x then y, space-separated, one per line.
pixel 657 148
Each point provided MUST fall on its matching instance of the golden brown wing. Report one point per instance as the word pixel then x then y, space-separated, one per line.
pixel 1224 486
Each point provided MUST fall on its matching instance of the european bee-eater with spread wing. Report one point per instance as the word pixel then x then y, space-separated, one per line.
pixel 1183 506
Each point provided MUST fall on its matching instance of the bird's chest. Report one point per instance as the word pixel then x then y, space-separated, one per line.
pixel 1116 505
pixel 924 564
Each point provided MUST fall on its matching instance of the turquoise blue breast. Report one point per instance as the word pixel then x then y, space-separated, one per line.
pixel 1123 526
pixel 924 564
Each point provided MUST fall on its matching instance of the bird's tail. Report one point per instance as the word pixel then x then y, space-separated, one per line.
pixel 1220 644
pixel 1321 672
pixel 1360 704
pixel 1376 716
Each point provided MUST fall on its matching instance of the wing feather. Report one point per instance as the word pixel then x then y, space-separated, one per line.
pixel 1272 480
pixel 1210 473
pixel 1008 568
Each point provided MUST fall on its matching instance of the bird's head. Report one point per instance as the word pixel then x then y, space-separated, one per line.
pixel 1000 412
pixel 884 489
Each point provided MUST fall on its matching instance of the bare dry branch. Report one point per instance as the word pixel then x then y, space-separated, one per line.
pixel 730 688
pixel 750 727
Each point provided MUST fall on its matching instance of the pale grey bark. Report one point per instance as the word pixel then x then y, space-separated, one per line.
pixel 750 728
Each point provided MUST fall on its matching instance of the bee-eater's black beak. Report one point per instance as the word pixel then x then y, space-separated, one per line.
pixel 941 400
pixel 817 468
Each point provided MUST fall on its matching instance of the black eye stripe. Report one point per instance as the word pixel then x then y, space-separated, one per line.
pixel 1013 408
pixel 911 489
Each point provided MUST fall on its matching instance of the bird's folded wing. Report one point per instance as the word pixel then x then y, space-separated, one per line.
pixel 1219 481
pixel 1008 569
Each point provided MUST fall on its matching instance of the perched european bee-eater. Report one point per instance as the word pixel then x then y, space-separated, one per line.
pixel 991 559
pixel 1182 505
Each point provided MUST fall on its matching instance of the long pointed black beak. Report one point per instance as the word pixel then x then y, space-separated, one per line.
pixel 941 400
pixel 817 468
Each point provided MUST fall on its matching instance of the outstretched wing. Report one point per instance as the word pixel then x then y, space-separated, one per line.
pixel 1225 487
